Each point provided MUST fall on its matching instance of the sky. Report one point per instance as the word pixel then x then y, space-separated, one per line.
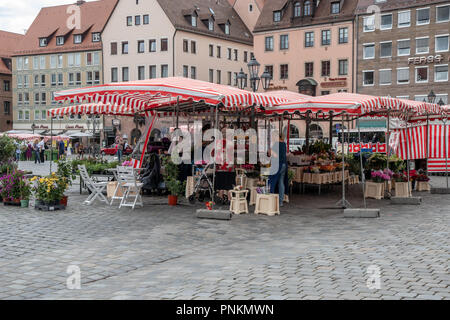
pixel 18 15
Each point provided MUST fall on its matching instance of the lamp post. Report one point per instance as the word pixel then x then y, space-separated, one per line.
pixel 255 79
pixel 431 97
pixel 33 127
pixel 93 121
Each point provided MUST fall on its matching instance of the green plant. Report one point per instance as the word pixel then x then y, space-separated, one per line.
pixel 25 189
pixel 291 175
pixel 65 170
pixel 7 148
pixel 396 164
pixel 319 147
pixel 10 185
pixel 171 172
pixel 49 189
pixel 377 161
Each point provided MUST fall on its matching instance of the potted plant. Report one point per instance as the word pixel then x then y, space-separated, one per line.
pixel 10 187
pixel 49 191
pixel 401 185
pixel 65 171
pixel 173 184
pixel 376 186
pixel 25 192
pixel 423 183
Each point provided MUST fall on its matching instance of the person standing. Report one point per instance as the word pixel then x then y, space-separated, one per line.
pixel 61 149
pixel 29 152
pixel 37 156
pixel 41 148
pixel 18 151
pixel 280 179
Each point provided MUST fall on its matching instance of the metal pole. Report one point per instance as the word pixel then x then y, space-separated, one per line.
pixel 407 152
pixel 51 143
pixel 446 148
pixel 363 178
pixel 178 110
pixel 427 141
pixel 343 163
pixel 331 130
pixel 388 135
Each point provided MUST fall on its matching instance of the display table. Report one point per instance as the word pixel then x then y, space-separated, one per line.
pixel 239 201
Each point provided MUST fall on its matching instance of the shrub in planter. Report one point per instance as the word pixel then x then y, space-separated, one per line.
pixel 173 184
pixel 49 190
pixel 10 186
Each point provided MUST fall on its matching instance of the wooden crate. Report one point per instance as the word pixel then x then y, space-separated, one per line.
pixel 307 177
pixel 423 186
pixel 267 204
pixel 401 190
pixel 374 190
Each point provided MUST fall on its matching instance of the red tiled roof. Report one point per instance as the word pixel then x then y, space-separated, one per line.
pixel 9 42
pixel 52 22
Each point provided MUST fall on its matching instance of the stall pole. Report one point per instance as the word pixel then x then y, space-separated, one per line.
pixel 363 177
pixel 331 129
pixel 388 135
pixel 288 134
pixel 178 111
pixel 308 121
pixel 51 144
pixel 215 153
pixel 343 202
pixel 407 153
pixel 446 148
pixel 428 142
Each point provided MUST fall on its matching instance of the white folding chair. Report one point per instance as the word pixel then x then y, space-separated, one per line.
pixel 131 187
pixel 96 188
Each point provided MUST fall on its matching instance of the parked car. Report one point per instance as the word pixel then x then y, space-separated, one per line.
pixel 112 150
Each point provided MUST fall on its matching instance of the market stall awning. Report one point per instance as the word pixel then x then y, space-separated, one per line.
pixel 138 96
pixel 352 103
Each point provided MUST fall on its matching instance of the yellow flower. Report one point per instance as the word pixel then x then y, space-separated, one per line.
pixel 33 179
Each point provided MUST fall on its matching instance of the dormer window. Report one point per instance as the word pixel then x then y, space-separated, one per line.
pixel 59 41
pixel 96 37
pixel 194 20
pixel 276 16
pixel 77 38
pixel 335 7
pixel 211 25
pixel 227 28
pixel 297 9
pixel 307 10
pixel 42 42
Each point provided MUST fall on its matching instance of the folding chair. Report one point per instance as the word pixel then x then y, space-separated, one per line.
pixel 96 188
pixel 130 186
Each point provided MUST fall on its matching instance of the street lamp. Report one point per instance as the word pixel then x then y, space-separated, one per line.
pixel 33 126
pixel 253 70
pixel 95 122
pixel 441 102
pixel 431 97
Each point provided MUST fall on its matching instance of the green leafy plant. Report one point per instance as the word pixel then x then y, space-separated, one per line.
pixel 174 186
pixel 65 170
pixel 10 185
pixel 377 161
pixel 7 148
pixel 49 189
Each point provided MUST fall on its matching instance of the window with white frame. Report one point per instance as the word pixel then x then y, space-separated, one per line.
pixel 441 73
pixel 19 81
pixel 77 38
pixel 421 74
pixel 386 21
pixel 95 36
pixel 443 13
pixel 27 115
pixel 369 24
pixel 442 43
pixel 368 78
pixel 404 19
pixel 42 64
pixel 53 60
pixel 37 114
pixel 20 115
pixel 420 97
pixel 60 79
pixel 386 49
pixel 404 47
pixel 403 75
pixel 423 16
pixel 152 72
pixel 36 63
pixel 59 41
pixel 71 79
pixel 77 59
pixel 43 115
pixel 422 45
pixel 385 77
pixel 369 51
pixel 60 61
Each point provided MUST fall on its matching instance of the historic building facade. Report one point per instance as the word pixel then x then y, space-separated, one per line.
pixel 61 50
pixel 403 50
pixel 8 42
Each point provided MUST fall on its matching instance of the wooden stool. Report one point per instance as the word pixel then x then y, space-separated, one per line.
pixel 267 204
pixel 253 195
pixel 239 203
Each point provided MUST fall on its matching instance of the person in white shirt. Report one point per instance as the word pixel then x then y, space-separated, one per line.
pixel 41 148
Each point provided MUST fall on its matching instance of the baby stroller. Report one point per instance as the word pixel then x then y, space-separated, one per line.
pixel 203 182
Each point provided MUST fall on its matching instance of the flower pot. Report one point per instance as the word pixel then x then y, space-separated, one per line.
pixel 64 201
pixel 24 203
pixel 16 201
pixel 374 190
pixel 173 200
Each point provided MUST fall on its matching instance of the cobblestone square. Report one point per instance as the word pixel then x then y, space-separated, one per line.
pixel 308 252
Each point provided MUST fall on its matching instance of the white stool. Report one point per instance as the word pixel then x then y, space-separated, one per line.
pixel 239 203
pixel 268 204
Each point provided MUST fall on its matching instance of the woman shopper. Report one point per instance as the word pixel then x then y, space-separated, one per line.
pixel 280 179
pixel 29 152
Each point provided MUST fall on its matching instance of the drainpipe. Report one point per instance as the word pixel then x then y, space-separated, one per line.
pixel 173 52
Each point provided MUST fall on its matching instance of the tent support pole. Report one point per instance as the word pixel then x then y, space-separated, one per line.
pixel 363 177
pixel 343 203
pixel 178 111
pixel 331 129
pixel 427 142
pixel 51 144
pixel 407 153
pixel 388 135
pixel 446 148
pixel 308 122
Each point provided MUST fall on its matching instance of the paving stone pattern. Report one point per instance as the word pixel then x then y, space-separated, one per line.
pixel 309 252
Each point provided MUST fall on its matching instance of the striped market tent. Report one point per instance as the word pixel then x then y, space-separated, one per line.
pixel 352 103
pixel 139 96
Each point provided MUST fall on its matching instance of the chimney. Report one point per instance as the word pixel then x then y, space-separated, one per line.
pixel 80 2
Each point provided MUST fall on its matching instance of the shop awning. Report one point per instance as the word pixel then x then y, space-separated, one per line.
pixel 138 96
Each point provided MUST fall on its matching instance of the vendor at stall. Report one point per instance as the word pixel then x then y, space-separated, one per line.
pixel 279 181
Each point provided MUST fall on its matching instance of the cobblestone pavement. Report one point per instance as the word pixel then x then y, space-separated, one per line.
pixel 309 252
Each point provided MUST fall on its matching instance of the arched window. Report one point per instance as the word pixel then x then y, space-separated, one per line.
pixel 294 133
pixel 297 9
pixel 307 8
pixel 315 131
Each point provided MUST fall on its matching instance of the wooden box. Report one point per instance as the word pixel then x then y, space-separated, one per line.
pixel 267 204
pixel 307 177
pixel 423 186
pixel 401 189
pixel 374 190
pixel 111 188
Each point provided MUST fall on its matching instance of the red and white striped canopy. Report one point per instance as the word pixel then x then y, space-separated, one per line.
pixel 352 103
pixel 138 96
